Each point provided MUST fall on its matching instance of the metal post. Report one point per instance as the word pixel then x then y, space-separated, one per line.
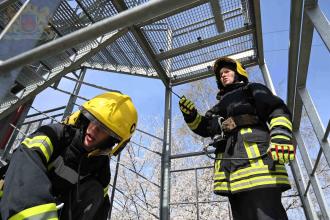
pixel 73 97
pixel 114 187
pixel 320 23
pixel 18 123
pixel 166 162
pixel 267 77
pixel 197 194
pixel 14 39
pixel 295 29
pixel 313 178
pixel 316 122
pixel 306 200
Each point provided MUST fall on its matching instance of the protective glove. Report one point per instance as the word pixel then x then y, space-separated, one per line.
pixel 188 109
pixel 281 149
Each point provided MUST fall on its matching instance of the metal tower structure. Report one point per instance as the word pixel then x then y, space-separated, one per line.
pixel 42 42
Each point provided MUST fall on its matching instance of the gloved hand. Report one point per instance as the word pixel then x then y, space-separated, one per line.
pixel 281 149
pixel 188 109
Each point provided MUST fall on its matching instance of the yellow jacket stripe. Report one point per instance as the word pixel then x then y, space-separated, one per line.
pixel 250 177
pixel 281 137
pixel 281 121
pixel 256 170
pixel 251 182
pixel 45 211
pixel 42 143
pixel 105 191
pixel 1 192
pixel 193 125
pixel 245 172
pixel 252 149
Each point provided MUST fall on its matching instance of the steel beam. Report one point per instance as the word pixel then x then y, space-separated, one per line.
pixel 302 71
pixel 151 135
pixel 90 84
pixel 312 176
pixel 18 124
pixel 197 194
pixel 295 29
pixel 47 111
pixel 306 200
pixel 192 154
pixel 73 97
pixel 57 73
pixel 69 93
pixel 14 39
pixel 142 40
pixel 42 119
pixel 173 12
pixel 320 22
pixel 316 122
pixel 216 10
pixel 267 77
pixel 193 168
pixel 166 161
pixel 111 68
pixel 326 134
pixel 258 31
pixel 205 43
pixel 114 186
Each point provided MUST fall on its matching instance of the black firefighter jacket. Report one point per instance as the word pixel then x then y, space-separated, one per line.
pixel 47 165
pixel 246 141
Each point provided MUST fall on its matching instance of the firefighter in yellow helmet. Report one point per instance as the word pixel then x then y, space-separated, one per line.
pixel 248 122
pixel 69 163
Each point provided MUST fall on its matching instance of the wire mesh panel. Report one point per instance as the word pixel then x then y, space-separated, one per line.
pixel 8 11
pixel 185 42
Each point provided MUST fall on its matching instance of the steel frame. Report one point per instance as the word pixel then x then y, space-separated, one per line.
pixel 305 16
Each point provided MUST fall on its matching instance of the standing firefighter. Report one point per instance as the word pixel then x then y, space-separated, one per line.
pixel 69 163
pixel 247 122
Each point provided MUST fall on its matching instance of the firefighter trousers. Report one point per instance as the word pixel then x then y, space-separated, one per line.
pixel 258 204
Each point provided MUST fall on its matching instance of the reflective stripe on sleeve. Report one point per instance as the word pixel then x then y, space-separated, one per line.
pixel 105 191
pixel 45 211
pixel 42 143
pixel 281 121
pixel 281 137
pixel 193 125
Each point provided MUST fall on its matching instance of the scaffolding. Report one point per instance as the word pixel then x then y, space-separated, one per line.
pixel 173 41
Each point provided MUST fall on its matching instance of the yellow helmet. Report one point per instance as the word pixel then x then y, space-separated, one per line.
pixel 115 112
pixel 228 62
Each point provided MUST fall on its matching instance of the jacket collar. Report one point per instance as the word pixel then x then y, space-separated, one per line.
pixel 229 88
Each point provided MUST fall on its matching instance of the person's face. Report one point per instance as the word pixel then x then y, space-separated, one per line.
pixel 94 136
pixel 227 76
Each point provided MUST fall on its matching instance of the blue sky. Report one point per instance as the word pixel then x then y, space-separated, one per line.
pixel 148 94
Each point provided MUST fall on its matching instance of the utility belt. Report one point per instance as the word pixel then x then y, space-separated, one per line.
pixel 233 122
pixel 229 125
